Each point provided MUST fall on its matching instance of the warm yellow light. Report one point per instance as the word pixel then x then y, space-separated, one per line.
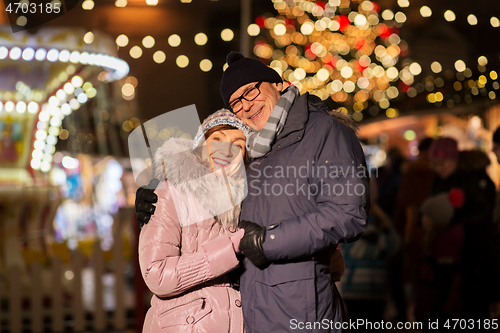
pixel 21 21
pixel 493 75
pixel 182 61
pixel 200 39
pixel 205 65
pixel 436 67
pixel 122 40
pixel 121 3
pixel 253 29
pixel 495 22
pixel 135 52
pixel 227 35
pixel 307 28
pixel 415 68
pixel 460 66
pixel 391 113
pixel 438 96
pixel 400 17
pixel 159 57
pixel 148 42
pixel 88 5
pixel 431 98
pixel 449 16
pixel 472 19
pixel 425 11
pixel 174 40
pixel 89 37
pixel 482 61
pixel 128 90
pixel 346 72
pixel 403 3
pixel 151 2
pixel 482 80
pixel 387 15
pixel 279 29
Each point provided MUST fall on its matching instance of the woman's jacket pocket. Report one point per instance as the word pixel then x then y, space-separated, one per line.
pixel 185 314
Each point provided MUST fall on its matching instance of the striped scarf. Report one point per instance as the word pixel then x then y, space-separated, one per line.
pixel 259 142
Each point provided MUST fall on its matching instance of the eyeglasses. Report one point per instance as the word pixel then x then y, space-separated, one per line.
pixel 236 105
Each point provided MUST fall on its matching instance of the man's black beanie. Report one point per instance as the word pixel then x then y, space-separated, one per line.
pixel 242 70
pixel 496 136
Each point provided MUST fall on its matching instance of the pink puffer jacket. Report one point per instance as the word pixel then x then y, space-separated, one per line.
pixel 185 253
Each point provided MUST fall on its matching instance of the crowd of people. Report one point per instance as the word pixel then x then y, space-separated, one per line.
pixel 237 238
pixel 439 258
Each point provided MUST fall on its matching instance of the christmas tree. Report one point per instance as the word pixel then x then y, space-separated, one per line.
pixel 341 50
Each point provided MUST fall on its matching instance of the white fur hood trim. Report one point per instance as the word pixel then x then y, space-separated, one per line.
pixel 182 168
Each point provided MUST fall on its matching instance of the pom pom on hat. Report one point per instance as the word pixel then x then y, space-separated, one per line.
pixel 233 57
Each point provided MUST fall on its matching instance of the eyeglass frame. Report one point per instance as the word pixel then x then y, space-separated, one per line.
pixel 242 97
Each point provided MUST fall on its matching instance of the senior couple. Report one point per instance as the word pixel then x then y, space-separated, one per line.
pixel 277 249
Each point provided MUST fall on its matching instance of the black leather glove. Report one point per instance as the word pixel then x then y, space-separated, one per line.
pixel 251 243
pixel 145 197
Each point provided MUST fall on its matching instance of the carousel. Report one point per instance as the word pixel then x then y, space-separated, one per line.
pixel 44 77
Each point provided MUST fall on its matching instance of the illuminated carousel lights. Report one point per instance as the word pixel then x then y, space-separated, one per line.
pixel 119 67
pixel 48 127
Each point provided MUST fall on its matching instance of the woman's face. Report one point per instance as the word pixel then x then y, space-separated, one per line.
pixel 226 149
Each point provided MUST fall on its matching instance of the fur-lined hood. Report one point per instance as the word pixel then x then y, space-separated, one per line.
pixel 176 161
pixel 346 119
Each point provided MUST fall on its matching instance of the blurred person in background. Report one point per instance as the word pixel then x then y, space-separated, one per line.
pixel 415 187
pixel 388 182
pixel 365 285
pixel 496 227
pixel 467 171
pixel 439 284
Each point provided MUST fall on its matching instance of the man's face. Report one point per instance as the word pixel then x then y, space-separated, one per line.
pixel 256 113
pixel 496 150
pixel 444 167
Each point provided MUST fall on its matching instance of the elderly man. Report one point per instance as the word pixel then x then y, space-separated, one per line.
pixel 308 191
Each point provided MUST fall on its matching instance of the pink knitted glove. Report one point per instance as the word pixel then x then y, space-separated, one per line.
pixel 236 238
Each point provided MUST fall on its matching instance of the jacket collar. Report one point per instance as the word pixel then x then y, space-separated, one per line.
pixel 176 161
pixel 297 117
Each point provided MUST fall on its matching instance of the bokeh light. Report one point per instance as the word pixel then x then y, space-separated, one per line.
pixel 182 61
pixel 200 39
pixel 122 40
pixel 148 42
pixel 135 52
pixel 159 57
pixel 449 16
pixel 227 35
pixel 174 40
pixel 425 11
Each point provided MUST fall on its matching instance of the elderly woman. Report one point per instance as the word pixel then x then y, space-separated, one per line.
pixel 190 245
